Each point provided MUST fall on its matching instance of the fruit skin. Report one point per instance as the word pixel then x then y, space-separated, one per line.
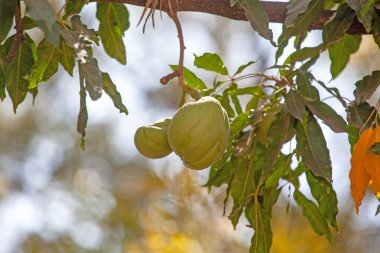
pixel 199 132
pixel 152 141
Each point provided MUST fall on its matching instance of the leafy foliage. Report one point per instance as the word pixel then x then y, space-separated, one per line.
pixel 276 107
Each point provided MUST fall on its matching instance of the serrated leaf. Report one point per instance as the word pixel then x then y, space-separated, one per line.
pixel 72 8
pixel 110 88
pixel 305 53
pixel 67 57
pixel 329 116
pixel 211 62
pixel 190 78
pixel 326 197
pixel 364 10
pixel 7 12
pixel 366 87
pixel 258 17
pixel 313 215
pixel 341 51
pixel 277 134
pixel 46 64
pixel 243 67
pixel 295 104
pixel 375 148
pixel 17 70
pixel 114 21
pixel 260 221
pixel 93 78
pixel 334 30
pixel 359 114
pixel 44 16
pixel 311 145
pixel 305 88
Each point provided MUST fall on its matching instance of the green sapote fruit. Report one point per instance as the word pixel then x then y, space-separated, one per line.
pixel 152 141
pixel 199 132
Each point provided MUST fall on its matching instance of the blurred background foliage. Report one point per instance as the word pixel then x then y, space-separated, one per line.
pixel 54 198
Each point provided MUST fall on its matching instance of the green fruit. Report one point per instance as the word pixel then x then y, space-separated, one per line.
pixel 199 132
pixel 152 141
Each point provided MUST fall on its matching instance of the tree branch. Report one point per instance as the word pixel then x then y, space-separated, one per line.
pixel 19 37
pixel 275 10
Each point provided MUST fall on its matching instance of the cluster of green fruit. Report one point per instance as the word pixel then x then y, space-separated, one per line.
pixel 198 133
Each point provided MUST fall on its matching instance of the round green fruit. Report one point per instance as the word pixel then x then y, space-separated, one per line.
pixel 199 132
pixel 152 141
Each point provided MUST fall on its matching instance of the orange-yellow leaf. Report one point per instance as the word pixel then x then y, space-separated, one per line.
pixel 375 188
pixel 372 161
pixel 358 175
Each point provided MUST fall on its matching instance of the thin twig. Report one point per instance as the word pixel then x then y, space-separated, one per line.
pixel 19 37
pixel 179 72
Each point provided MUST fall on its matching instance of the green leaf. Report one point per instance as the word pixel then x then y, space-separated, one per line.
pixel 295 104
pixel 313 215
pixel 305 88
pixel 211 62
pixel 72 8
pixel 28 23
pixel 67 57
pixel 377 210
pixel 17 70
pixel 277 134
pixel 375 148
pixel 7 12
pixel 114 21
pixel 325 195
pixel 364 10
pixel 312 147
pixel 304 53
pixel 359 114
pixel 376 30
pixel 256 91
pixel 238 124
pixel 81 28
pixel 221 176
pixel 281 168
pixel 93 78
pixel 293 9
pixel 258 17
pixel 334 30
pixel 243 67
pixel 3 67
pixel 353 136
pixel 83 114
pixel 243 183
pixel 44 16
pixel 328 115
pixel 260 221
pixel 304 19
pixel 110 88
pixel 341 51
pixel 366 87
pixel 190 78
pixel 46 64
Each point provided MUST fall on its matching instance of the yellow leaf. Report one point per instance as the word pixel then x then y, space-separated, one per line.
pixel 358 175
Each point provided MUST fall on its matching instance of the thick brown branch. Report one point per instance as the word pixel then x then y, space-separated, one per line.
pixel 19 37
pixel 276 11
